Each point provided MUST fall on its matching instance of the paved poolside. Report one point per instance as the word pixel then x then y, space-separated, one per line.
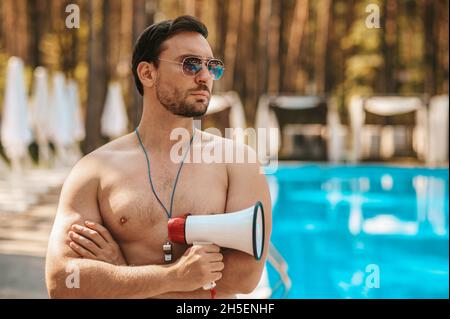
pixel 23 244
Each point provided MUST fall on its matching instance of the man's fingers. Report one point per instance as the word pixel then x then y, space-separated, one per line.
pixel 213 257
pixel 217 275
pixel 217 266
pixel 101 230
pixel 81 251
pixel 211 248
pixel 85 243
pixel 90 234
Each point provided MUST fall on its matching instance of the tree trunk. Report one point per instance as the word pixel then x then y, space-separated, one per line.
pixel 15 28
pixel 113 36
pixel 323 20
pixel 123 70
pixel 442 56
pixel 263 40
pixel 387 82
pixel 37 27
pixel 97 76
pixel 274 47
pixel 221 26
pixel 247 60
pixel 139 24
pixel 231 43
pixel 294 44
pixel 430 48
pixel 189 7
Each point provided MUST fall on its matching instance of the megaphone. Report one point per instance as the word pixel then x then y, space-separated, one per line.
pixel 242 230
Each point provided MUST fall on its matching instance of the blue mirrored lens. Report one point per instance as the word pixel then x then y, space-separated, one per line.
pixel 216 69
pixel 192 66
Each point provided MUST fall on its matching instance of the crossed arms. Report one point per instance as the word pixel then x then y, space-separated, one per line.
pixel 235 271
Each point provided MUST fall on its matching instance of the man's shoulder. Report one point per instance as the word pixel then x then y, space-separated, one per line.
pixel 226 143
pixel 235 153
pixel 93 162
pixel 118 145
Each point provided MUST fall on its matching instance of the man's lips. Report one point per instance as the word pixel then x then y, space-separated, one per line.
pixel 205 94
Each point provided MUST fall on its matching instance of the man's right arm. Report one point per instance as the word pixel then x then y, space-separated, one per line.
pixel 78 203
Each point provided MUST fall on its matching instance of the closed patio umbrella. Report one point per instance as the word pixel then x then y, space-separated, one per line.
pixel 77 117
pixel 79 132
pixel 15 137
pixel 62 126
pixel 40 113
pixel 15 130
pixel 114 121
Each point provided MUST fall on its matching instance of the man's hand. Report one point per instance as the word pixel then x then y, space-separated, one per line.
pixel 199 265
pixel 95 242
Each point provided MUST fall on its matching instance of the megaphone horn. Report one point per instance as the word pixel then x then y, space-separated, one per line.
pixel 242 230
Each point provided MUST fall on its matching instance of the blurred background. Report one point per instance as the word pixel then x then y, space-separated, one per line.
pixel 358 90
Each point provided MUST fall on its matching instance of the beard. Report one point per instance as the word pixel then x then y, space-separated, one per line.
pixel 180 103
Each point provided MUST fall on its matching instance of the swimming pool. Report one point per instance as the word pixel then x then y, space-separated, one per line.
pixel 361 231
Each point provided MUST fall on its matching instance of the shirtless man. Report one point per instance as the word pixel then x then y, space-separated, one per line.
pixel 110 188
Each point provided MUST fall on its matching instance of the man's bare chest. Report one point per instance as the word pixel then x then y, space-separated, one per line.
pixel 132 213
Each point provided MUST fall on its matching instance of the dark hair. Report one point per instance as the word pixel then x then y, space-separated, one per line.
pixel 149 43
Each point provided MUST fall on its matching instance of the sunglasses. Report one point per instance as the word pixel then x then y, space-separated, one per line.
pixel 192 65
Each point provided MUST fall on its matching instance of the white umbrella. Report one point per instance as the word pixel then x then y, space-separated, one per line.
pixel 76 120
pixel 62 127
pixel 114 121
pixel 38 180
pixel 77 117
pixel 15 131
pixel 15 136
pixel 39 113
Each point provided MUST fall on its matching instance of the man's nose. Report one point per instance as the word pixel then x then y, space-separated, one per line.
pixel 203 75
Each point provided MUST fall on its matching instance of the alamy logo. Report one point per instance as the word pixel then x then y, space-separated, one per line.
pixel 373 277
pixel 73 19
pixel 214 151
pixel 73 279
pixel 373 19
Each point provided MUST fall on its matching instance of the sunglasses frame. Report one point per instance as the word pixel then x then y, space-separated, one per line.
pixel 205 61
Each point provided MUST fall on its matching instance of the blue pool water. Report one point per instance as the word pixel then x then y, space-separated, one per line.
pixel 361 231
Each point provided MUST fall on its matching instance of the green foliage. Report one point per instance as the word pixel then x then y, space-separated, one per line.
pixel 366 61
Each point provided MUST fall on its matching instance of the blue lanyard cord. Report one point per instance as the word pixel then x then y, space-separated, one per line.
pixel 168 213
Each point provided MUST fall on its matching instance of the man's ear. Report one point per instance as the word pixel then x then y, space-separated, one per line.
pixel 146 73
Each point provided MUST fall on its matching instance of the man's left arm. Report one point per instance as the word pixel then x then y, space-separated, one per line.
pixel 246 186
